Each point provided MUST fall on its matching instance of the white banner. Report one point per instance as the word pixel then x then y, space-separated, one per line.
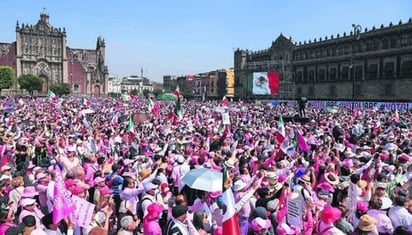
pixel 83 214
pixel 295 211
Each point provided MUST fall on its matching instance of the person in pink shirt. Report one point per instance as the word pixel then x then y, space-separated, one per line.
pixel 151 220
pixel 29 207
pixel 6 219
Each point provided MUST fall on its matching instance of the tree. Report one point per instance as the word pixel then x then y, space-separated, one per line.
pixel 134 92
pixel 30 83
pixel 6 77
pixel 60 89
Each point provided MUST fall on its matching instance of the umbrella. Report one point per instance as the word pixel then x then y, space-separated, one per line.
pixel 86 111
pixel 167 96
pixel 204 179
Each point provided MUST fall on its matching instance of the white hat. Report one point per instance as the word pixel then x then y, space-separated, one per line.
pixel 179 158
pixel 271 175
pixel 149 186
pixel 27 201
pixel 5 168
pixel 71 149
pixel 239 185
pixel 100 218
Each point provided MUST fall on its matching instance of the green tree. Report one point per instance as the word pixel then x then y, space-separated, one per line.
pixel 6 77
pixel 60 89
pixel 30 83
pixel 134 92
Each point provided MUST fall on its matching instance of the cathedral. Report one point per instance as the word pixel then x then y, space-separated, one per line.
pixel 42 50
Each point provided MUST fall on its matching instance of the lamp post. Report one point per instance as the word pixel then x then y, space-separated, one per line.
pixel 356 33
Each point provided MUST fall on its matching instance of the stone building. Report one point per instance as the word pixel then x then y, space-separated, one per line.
pixel 42 50
pixel 364 64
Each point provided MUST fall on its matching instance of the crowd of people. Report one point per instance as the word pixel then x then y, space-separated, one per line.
pixel 345 172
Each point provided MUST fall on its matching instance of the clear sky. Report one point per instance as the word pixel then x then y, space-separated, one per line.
pixel 177 37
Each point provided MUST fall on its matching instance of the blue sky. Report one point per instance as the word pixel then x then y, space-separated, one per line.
pixel 188 36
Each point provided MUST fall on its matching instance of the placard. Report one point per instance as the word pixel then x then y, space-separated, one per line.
pixel 295 210
pixel 83 214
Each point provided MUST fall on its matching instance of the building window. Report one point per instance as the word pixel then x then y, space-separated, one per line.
pixel 373 71
pixel 393 43
pixel 344 75
pixel 407 68
pixel 321 75
pixel 385 44
pixel 358 90
pixel 299 76
pixel 375 45
pixel 358 72
pixel 311 75
pixel 404 40
pixel 332 74
pixel 389 69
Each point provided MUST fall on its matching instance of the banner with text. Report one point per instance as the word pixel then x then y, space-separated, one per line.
pixel 404 106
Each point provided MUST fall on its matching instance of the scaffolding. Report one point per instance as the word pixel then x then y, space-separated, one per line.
pixel 286 84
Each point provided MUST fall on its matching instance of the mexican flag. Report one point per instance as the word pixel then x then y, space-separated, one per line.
pixel 178 112
pixel 130 124
pixel 280 136
pixel 177 91
pixel 51 95
pixel 126 97
pixel 154 108
pixel 224 101
pixel 230 222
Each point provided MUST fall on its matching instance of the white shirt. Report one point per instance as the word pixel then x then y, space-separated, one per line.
pixel 400 216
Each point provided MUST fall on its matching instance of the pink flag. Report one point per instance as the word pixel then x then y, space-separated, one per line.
pixel 301 142
pixel 62 203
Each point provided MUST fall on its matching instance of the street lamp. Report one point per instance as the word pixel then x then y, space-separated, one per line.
pixel 356 33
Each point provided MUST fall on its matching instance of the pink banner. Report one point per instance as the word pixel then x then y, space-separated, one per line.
pixel 62 203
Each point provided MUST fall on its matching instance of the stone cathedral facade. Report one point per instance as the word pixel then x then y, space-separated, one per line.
pixel 42 50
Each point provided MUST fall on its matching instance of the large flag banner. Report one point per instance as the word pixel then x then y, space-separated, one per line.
pixel 178 111
pixel 62 203
pixel 230 222
pixel 265 83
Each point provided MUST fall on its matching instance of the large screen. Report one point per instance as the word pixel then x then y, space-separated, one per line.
pixel 265 83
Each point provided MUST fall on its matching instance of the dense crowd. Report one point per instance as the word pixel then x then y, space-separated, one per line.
pixel 345 172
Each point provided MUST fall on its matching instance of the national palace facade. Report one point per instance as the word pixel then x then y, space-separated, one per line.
pixel 42 50
pixel 364 64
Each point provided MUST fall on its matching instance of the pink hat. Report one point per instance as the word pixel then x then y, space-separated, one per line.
pixel 326 186
pixel 282 178
pixel 127 162
pixel 403 158
pixel 348 163
pixel 285 229
pixel 362 206
pixel 259 224
pixel 383 156
pixel 70 183
pixel 214 194
pixel 77 190
pixel 154 210
pixel 29 192
pixel 98 180
pixel 105 191
pixel 330 214
pixel 41 175
pixel 164 187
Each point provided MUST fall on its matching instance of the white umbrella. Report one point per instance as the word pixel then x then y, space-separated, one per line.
pixel 204 179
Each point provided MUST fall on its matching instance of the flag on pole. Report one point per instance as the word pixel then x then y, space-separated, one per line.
pixel 178 112
pixel 280 135
pixel 224 101
pixel 177 91
pixel 125 97
pixel 130 124
pixel 51 95
pixel 395 116
pixel 230 222
pixel 154 108
pixel 115 119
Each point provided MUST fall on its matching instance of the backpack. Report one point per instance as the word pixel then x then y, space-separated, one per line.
pixel 139 208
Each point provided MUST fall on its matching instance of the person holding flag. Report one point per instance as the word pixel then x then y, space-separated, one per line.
pixel 230 221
